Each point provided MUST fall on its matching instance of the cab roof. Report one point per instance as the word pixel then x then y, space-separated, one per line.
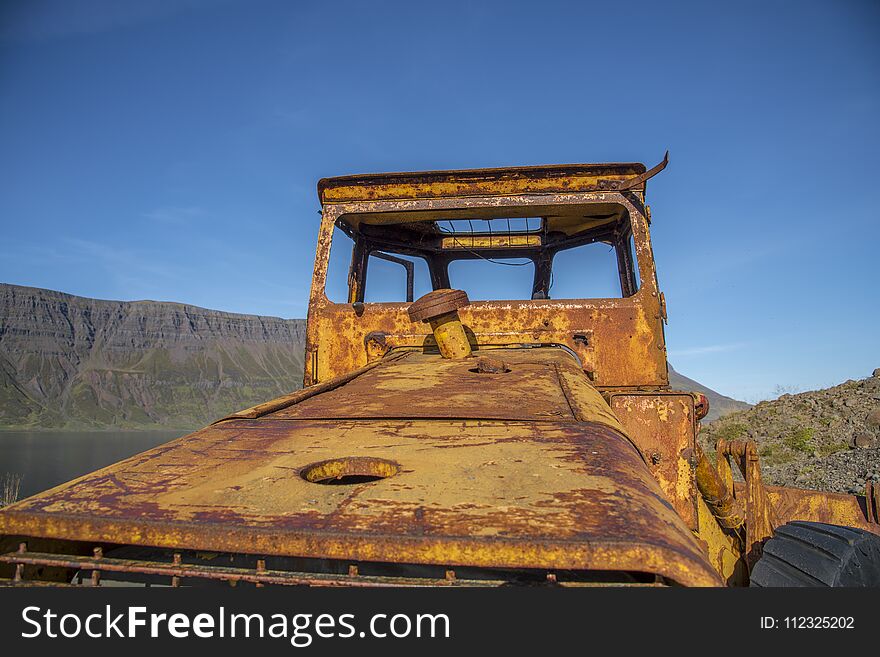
pixel 506 181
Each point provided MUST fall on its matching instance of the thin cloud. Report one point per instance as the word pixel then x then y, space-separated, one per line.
pixel 708 349
pixel 125 264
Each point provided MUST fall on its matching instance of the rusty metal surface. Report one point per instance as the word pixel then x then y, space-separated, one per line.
pixel 626 349
pixel 476 182
pixel 478 493
pixel 641 179
pixel 819 506
pixel 439 309
pixel 761 518
pixel 723 546
pixel 177 571
pixel 542 384
pixel 437 303
pixel 872 502
pixel 718 497
pixel 233 575
pixel 662 425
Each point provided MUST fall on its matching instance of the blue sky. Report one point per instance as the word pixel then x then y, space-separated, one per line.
pixel 170 150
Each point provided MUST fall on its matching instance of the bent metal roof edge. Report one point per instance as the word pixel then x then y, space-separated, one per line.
pixel 470 182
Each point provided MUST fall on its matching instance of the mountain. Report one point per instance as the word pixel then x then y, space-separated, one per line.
pixel 72 362
pixel 719 404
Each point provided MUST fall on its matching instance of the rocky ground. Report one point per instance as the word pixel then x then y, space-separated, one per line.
pixel 824 439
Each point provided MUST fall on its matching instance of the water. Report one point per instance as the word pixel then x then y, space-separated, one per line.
pixel 47 458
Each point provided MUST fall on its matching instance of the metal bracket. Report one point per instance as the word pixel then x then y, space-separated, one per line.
pixel 761 518
pixel 629 183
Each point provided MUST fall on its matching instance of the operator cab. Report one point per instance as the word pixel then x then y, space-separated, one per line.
pixel 551 255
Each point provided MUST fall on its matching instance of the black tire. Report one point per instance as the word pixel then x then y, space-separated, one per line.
pixel 815 554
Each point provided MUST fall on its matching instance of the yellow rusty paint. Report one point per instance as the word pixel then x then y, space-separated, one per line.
pixel 717 495
pixel 450 336
pixel 662 425
pixel 452 189
pixel 543 384
pixel 723 548
pixel 820 506
pixel 336 469
pixel 483 182
pixel 663 410
pixel 489 241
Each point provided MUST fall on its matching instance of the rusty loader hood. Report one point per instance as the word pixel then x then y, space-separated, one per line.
pixel 402 463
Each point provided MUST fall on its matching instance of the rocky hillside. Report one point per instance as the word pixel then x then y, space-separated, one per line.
pixel 72 362
pixel 824 439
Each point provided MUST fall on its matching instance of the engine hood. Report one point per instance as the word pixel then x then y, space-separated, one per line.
pixel 500 495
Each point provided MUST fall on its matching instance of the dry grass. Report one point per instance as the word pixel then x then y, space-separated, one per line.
pixel 9 488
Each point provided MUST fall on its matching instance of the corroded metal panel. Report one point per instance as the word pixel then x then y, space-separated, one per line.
pixel 479 182
pixel 486 494
pixel 419 385
pixel 819 506
pixel 662 425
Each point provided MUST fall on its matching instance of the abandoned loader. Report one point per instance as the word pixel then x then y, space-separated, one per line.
pixel 454 440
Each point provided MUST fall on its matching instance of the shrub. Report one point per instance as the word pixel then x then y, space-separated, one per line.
pixel 730 431
pixel 800 440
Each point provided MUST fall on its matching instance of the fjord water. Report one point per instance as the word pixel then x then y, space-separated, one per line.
pixel 47 458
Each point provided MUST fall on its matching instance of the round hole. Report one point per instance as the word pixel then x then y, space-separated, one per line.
pixel 349 470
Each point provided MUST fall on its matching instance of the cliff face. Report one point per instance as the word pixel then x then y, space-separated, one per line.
pixel 68 361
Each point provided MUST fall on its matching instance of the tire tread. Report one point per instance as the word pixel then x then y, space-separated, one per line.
pixel 803 553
